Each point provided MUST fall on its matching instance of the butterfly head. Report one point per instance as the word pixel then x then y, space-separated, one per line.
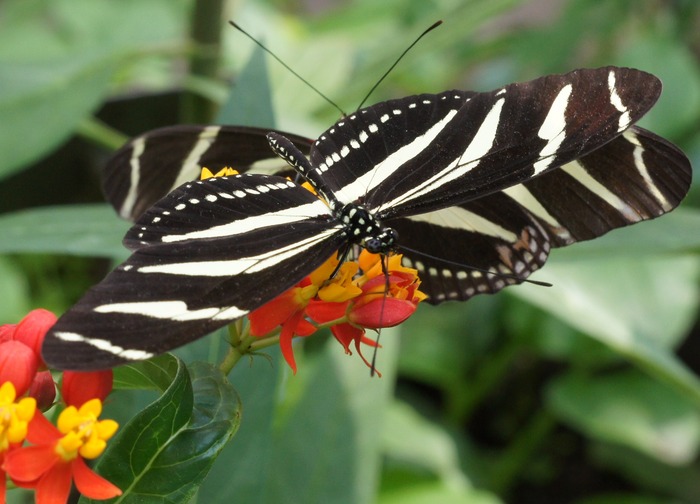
pixel 362 227
pixel 382 242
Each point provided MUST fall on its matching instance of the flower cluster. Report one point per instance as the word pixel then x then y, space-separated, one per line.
pixel 349 298
pixel 361 295
pixel 55 456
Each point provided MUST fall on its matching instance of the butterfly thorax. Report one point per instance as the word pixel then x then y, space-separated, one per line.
pixel 363 228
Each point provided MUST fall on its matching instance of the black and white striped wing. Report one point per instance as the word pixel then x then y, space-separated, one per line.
pixel 217 249
pixel 151 165
pixel 638 176
pixel 421 153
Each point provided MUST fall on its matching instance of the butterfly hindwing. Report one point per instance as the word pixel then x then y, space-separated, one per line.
pixel 151 165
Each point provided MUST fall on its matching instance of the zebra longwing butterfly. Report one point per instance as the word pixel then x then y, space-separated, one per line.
pixel 483 185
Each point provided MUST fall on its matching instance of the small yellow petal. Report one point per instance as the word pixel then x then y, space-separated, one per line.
pixel 68 419
pixel 26 408
pixel 206 173
pixel 92 408
pixel 106 428
pixel 17 432
pixel 7 393
pixel 70 443
pixel 93 448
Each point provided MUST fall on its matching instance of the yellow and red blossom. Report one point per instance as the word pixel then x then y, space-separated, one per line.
pixel 14 416
pixel 347 302
pixel 57 456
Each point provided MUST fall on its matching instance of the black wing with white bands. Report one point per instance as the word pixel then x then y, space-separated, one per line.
pixel 426 152
pixel 509 234
pixel 219 249
pixel 479 187
pixel 151 165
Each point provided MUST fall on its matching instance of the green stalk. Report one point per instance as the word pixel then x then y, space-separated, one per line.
pixel 205 32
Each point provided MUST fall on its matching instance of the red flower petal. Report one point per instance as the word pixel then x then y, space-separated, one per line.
pixel 6 332
pixel 304 328
pixel 32 329
pixel 91 484
pixel 29 463
pixel 326 311
pixel 41 431
pixel 54 486
pixel 286 340
pixel 382 312
pixel 272 314
pixel 346 334
pixel 79 387
pixel 18 364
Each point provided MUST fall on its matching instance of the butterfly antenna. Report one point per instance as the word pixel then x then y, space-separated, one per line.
pixel 484 271
pixel 268 51
pixel 431 28
pixel 385 270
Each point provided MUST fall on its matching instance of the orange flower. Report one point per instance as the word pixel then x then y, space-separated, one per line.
pixel 347 303
pixel 57 457
pixel 287 311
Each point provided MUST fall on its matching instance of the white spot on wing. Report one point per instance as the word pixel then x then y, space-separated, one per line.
pixel 553 129
pixel 616 102
pixel 241 226
pixel 104 345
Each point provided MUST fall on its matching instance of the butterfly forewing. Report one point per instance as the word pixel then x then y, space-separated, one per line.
pixel 478 143
pixel 152 165
pixel 200 275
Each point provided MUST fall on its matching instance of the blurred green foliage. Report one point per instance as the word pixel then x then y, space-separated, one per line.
pixel 586 392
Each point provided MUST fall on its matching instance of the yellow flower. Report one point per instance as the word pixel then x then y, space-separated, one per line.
pixel 14 417
pixel 83 433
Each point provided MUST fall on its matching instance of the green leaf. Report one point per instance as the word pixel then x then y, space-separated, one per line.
pixel 641 308
pixel 157 373
pixel 42 103
pixel 164 453
pixel 411 439
pixel 432 492
pixel 675 233
pixel 249 103
pixel 313 437
pixel 632 409
pixel 86 230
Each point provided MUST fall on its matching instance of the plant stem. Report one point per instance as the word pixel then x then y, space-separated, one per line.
pixel 205 32
pixel 100 133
